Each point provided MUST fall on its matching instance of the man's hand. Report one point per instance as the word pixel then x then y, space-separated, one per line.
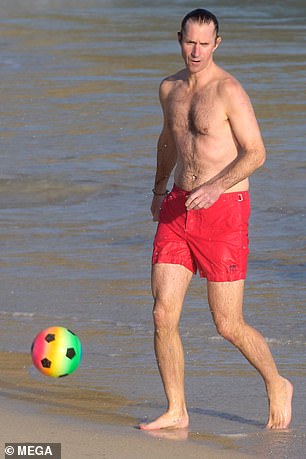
pixel 156 206
pixel 203 197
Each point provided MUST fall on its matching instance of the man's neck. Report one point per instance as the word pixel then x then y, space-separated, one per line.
pixel 202 77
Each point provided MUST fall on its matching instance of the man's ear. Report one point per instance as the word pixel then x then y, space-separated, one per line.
pixel 179 37
pixel 218 41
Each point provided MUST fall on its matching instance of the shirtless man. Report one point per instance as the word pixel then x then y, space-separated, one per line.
pixel 211 137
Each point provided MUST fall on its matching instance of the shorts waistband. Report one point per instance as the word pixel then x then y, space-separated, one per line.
pixel 231 196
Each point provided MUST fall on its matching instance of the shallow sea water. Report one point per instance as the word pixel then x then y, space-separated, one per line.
pixel 80 120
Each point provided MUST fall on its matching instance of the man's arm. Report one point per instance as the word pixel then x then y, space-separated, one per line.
pixel 251 154
pixel 166 157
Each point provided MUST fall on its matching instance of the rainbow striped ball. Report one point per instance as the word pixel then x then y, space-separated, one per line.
pixel 56 351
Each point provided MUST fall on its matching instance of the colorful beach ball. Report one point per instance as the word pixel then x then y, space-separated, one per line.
pixel 56 351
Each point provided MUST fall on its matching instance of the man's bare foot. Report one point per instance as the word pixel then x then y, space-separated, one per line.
pixel 280 406
pixel 167 421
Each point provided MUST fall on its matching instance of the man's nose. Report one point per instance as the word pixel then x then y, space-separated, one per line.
pixel 196 50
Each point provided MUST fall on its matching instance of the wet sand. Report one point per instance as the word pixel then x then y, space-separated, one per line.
pixel 86 423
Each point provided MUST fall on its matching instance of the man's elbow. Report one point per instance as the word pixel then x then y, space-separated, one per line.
pixel 261 157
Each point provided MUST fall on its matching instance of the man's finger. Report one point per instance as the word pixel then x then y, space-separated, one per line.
pixel 193 201
pixel 193 205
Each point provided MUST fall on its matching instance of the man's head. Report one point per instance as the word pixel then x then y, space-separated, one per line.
pixel 199 39
pixel 200 16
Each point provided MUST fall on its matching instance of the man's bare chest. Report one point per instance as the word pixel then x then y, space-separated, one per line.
pixel 193 114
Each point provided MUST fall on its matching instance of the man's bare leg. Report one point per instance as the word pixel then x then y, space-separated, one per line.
pixel 225 300
pixel 169 286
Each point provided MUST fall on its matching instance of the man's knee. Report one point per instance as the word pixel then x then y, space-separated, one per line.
pixel 158 315
pixel 164 317
pixel 229 329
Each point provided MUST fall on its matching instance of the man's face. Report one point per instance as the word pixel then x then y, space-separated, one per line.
pixel 198 42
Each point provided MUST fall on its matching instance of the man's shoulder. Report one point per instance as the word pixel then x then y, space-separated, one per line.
pixel 174 79
pixel 227 84
pixel 231 92
pixel 169 84
pixel 178 76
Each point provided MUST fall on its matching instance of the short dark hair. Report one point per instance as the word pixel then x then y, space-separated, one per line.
pixel 202 16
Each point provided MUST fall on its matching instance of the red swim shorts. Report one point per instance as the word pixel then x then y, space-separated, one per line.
pixel 213 241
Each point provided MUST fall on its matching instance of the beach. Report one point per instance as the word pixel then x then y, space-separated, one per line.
pixel 79 440
pixel 94 424
pixel 89 426
pixel 79 126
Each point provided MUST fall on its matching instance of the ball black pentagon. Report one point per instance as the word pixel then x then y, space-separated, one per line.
pixel 46 363
pixel 70 353
pixel 50 337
